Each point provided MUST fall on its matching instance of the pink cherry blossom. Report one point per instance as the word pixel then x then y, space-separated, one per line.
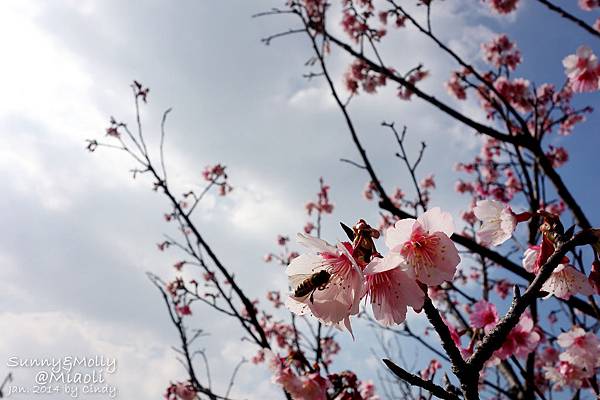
pixel 516 91
pixel 339 298
pixel 181 391
pixel 578 361
pixel 502 287
pixel 390 292
pixel 498 222
pixel 582 70
pixel 500 52
pixel 503 6
pixel 282 374
pixel 429 372
pixel 183 310
pixel 423 247
pixel 548 355
pixel 530 259
pixel 565 374
pixel 304 387
pixel 367 390
pixel 415 76
pixel 583 348
pixel 558 156
pixel 427 182
pixel 566 281
pixel 522 340
pixel 312 387
pixel 455 86
pixel 588 5
pixel 483 315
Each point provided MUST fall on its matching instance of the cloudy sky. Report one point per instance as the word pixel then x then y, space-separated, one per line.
pixel 79 233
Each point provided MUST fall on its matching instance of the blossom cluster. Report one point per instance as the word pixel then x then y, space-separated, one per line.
pixel 420 254
pixel 216 175
pixel 577 362
pixel 181 391
pixel 313 386
pixel 498 225
pixel 501 52
pixel 582 70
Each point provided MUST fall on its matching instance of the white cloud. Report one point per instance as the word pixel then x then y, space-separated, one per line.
pixel 54 334
pixel 313 98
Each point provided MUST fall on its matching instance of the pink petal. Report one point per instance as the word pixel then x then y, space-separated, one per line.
pixel 445 261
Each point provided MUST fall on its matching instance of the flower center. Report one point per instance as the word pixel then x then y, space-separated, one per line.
pixel 420 250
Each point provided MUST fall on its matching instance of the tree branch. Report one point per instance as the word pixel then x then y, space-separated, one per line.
pixel 415 380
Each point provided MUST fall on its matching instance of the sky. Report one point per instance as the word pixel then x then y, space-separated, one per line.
pixel 80 233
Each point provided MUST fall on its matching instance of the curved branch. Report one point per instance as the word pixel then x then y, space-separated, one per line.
pixel 579 22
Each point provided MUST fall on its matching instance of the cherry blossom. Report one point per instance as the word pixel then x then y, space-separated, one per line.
pixel 367 390
pixel 498 222
pixel 566 281
pixel 340 296
pixel 516 91
pixel 423 247
pixel 311 386
pixel 416 75
pixel 483 315
pixel 455 86
pixel 582 70
pixel 390 292
pixel 588 5
pixel 359 74
pixel 183 310
pixel 582 348
pixel 503 6
pixel 181 391
pixel 522 340
pixel 530 259
pixel 566 373
pixel 579 360
pixel 501 52
pixel 429 372
pixel 558 156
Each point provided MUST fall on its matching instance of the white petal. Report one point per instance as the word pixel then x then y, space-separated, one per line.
pixel 488 209
pixel 296 307
pixel 305 264
pixel 436 220
pixel 400 233
pixel 390 261
pixel 315 244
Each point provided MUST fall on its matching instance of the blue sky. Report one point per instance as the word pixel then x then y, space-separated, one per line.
pixel 80 233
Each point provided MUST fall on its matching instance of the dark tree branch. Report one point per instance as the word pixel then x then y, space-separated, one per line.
pixel 581 23
pixel 415 380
